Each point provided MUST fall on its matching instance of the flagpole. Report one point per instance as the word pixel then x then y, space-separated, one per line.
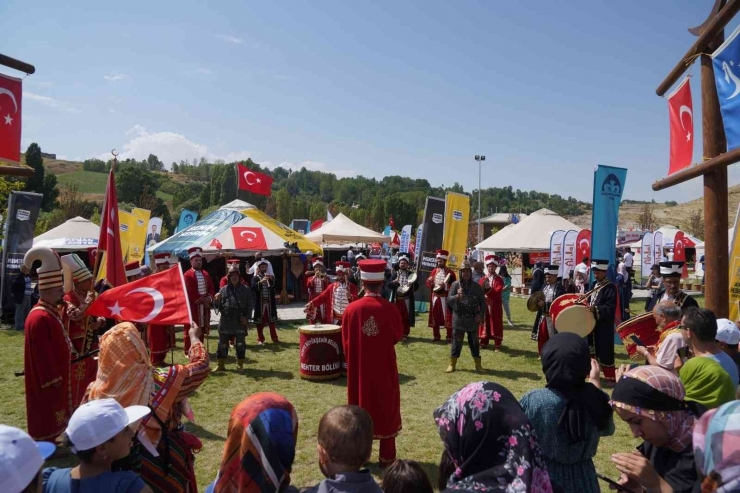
pixel 98 256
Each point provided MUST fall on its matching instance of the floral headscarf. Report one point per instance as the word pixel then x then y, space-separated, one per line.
pixel 717 448
pixel 657 394
pixel 490 441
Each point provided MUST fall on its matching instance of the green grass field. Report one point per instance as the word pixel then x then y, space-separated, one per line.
pixel 424 386
pixel 88 181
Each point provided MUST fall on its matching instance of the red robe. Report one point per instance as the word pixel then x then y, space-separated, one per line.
pixel 225 280
pixel 439 314
pixel 84 340
pixel 200 304
pixel 46 361
pixel 371 327
pixel 326 298
pixel 315 287
pixel 492 325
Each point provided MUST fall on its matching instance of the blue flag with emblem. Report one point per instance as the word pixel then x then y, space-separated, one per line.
pixel 726 61
pixel 608 187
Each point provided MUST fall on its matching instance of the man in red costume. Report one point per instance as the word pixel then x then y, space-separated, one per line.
pixel 48 352
pixel 439 282
pixel 338 295
pixel 492 324
pixel 160 337
pixel 81 329
pixel 200 292
pixel 371 327
pixel 316 283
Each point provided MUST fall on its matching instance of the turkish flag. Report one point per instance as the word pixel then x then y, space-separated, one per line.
pixel 254 182
pixel 156 299
pixel 110 236
pixel 10 118
pixel 216 243
pixel 679 252
pixel 583 245
pixel 681 115
pixel 248 238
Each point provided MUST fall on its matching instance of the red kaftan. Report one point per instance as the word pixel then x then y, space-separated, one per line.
pixel 161 338
pixel 371 326
pixel 315 286
pixel 200 304
pixel 326 298
pixel 492 326
pixel 439 314
pixel 46 360
pixel 84 340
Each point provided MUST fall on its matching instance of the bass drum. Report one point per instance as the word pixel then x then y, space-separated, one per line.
pixel 569 315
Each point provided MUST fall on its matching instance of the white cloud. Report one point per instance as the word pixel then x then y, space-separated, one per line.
pixel 203 71
pixel 169 147
pixel 311 166
pixel 114 77
pixel 230 39
pixel 111 110
pixel 50 102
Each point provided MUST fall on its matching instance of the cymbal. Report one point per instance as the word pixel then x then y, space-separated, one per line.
pixel 533 301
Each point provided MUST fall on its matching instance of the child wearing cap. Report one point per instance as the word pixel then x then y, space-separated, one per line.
pixel 99 433
pixel 728 337
pixel 21 460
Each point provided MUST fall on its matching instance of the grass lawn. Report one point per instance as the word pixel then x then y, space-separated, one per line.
pixel 164 196
pixel 424 386
pixel 88 181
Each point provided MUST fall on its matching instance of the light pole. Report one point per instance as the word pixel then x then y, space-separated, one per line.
pixel 480 160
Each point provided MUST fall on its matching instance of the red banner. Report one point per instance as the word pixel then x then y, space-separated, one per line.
pixel 110 236
pixel 535 257
pixel 679 252
pixel 583 245
pixel 681 116
pixel 249 238
pixel 11 93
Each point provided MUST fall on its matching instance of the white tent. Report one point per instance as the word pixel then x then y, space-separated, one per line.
pixel 77 234
pixel 342 229
pixel 530 235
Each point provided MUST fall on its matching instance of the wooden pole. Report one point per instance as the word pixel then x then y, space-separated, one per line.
pixel 715 191
pixel 721 161
pixel 17 64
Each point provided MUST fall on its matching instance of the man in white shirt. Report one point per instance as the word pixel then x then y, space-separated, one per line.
pixel 667 315
pixel 253 269
pixel 581 275
pixel 628 262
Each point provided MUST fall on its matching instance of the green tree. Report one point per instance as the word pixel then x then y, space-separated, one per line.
pixel 50 191
pixel 283 205
pixel 35 183
pixel 130 183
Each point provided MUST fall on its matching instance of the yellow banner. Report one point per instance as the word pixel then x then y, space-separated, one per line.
pixel 455 236
pixel 126 221
pixel 735 271
pixel 137 235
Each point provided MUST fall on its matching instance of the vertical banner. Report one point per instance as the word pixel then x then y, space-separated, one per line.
pixel 647 256
pixel 187 218
pixel 609 184
pixel 405 238
pixel 457 219
pixel 658 246
pixel 418 242
pixel 556 249
pixel 583 245
pixel 679 252
pixel 735 270
pixel 569 252
pixel 153 231
pixel 137 235
pixel 23 211
pixel 431 241
pixel 126 222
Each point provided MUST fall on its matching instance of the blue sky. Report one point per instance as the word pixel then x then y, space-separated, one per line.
pixel 546 90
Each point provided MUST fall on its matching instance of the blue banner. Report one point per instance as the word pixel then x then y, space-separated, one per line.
pixel 608 187
pixel 727 79
pixel 200 233
pixel 187 219
pixel 418 241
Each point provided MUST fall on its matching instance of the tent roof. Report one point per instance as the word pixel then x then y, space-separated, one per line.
pixel 74 235
pixel 237 205
pixel 531 234
pixel 669 233
pixel 342 229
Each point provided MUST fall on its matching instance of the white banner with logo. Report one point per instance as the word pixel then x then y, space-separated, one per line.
pixel 647 255
pixel 556 249
pixel 405 238
pixel 569 253
pixel 658 246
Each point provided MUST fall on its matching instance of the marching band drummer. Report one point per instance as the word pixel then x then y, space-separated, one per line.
pixel 404 301
pixel 316 283
pixel 552 290
pixel 439 282
pixel 671 273
pixel 492 324
pixel 603 304
pixel 338 294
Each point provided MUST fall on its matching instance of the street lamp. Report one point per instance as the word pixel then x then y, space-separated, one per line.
pixel 480 159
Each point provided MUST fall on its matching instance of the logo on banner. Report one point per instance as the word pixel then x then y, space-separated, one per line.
pixel 23 215
pixel 140 222
pixel 584 245
pixel 428 261
pixel 124 227
pixel 457 215
pixel 437 218
pixel 611 187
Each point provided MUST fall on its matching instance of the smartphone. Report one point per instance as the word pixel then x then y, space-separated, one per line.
pixel 683 352
pixel 637 340
pixel 618 486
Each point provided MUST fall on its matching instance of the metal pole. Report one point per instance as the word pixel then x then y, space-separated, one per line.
pixel 479 225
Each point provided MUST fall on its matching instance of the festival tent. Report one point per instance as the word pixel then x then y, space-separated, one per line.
pixel 531 234
pixel 342 229
pixel 77 234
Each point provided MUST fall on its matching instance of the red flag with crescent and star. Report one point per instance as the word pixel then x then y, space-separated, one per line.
pixel 248 238
pixel 156 299
pixel 583 245
pixel 254 182
pixel 10 118
pixel 110 236
pixel 681 115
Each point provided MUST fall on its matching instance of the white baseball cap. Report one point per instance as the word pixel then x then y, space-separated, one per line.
pixel 96 422
pixel 727 332
pixel 20 458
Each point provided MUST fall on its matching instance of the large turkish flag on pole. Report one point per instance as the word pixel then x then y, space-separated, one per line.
pixel 156 299
pixel 110 236
pixel 681 115
pixel 10 118
pixel 254 182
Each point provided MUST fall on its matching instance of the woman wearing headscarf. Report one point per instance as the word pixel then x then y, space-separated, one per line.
pixel 580 409
pixel 260 446
pixel 163 453
pixel 650 399
pixel 717 448
pixel 706 382
pixel 489 443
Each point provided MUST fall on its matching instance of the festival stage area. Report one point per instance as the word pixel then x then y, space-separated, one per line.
pixel 424 386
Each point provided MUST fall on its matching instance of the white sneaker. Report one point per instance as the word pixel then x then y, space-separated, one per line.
pixel 510 323
pixel 260 343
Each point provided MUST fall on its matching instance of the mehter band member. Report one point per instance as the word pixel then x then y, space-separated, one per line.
pixel 371 327
pixel 552 289
pixel 338 294
pixel 671 274
pixel 161 338
pixel 265 307
pixel 603 304
pixel 200 295
pixel 403 284
pixel 492 324
pixel 316 283
pixel 439 282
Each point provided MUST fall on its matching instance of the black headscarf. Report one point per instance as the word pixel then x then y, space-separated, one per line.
pixel 566 364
